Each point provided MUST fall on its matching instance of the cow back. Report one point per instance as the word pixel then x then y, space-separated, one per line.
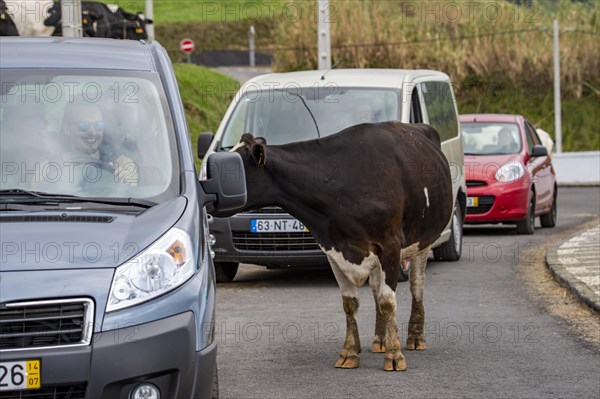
pixel 369 180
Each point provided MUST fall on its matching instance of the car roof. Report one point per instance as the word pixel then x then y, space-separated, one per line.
pixel 501 118
pixel 75 53
pixel 345 77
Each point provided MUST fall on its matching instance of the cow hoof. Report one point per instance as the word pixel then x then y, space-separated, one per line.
pixel 416 344
pixel 377 347
pixel 348 362
pixel 394 361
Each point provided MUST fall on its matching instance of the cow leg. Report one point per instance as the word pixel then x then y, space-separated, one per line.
pixel 375 281
pixel 416 338
pixel 385 297
pixel 349 356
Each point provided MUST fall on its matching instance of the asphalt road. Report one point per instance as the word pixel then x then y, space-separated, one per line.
pixel 281 331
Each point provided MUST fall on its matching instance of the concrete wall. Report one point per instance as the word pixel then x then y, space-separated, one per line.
pixel 580 168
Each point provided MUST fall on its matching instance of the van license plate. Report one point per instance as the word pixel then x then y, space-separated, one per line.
pixel 472 201
pixel 276 226
pixel 24 374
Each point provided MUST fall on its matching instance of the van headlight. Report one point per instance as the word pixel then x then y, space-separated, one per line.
pixel 510 172
pixel 164 266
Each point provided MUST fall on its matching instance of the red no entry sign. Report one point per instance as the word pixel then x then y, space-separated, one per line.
pixel 186 45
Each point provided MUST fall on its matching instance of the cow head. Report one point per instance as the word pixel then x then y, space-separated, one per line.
pixel 253 149
pixel 259 184
pixel 54 15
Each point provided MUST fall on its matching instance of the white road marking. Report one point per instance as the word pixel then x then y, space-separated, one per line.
pixel 579 256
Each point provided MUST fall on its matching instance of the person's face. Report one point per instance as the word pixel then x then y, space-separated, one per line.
pixel 86 130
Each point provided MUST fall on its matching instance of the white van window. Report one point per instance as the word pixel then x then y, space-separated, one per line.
pixel 299 114
pixel 441 108
pixel 87 135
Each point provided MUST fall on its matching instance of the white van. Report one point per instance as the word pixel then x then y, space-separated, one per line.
pixel 297 106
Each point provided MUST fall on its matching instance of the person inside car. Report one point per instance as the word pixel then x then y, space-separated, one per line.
pixel 85 165
pixel 506 142
pixel 84 127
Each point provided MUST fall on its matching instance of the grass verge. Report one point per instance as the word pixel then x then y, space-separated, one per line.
pixel 206 95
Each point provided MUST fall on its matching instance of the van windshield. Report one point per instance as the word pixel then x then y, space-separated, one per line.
pixel 298 114
pixel 91 134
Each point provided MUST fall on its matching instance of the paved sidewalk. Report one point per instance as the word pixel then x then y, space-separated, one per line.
pixel 576 263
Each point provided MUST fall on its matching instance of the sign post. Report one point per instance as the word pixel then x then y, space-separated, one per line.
pixel 187 46
pixel 557 105
pixel 150 15
pixel 323 41
pixel 71 18
pixel 251 46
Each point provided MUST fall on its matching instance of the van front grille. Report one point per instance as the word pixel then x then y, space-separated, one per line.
pixel 55 323
pixel 274 241
pixel 59 392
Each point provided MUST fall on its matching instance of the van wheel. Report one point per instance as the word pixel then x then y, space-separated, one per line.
pixel 451 250
pixel 549 219
pixel 226 271
pixel 527 225
pixel 215 387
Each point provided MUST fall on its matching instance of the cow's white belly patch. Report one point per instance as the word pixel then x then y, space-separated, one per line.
pixel 426 197
pixel 356 274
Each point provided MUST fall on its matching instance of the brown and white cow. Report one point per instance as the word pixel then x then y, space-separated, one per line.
pixel 372 195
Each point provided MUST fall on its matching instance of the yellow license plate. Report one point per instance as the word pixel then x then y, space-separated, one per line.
pixel 472 201
pixel 20 375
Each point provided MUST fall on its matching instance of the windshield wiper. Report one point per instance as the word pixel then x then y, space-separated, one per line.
pixel 37 194
pixel 50 197
pixel 309 111
pixel 118 201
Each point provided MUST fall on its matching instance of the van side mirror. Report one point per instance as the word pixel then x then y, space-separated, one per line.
pixel 204 140
pixel 539 150
pixel 225 185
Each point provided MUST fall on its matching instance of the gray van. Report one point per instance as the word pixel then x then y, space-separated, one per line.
pixel 107 286
pixel 297 106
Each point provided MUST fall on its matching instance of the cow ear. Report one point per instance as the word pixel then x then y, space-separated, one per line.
pixel 260 140
pixel 247 138
pixel 259 153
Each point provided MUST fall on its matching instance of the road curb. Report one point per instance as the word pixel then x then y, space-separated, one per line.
pixel 575 263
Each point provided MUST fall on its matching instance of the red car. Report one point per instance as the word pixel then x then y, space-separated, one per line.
pixel 508 172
